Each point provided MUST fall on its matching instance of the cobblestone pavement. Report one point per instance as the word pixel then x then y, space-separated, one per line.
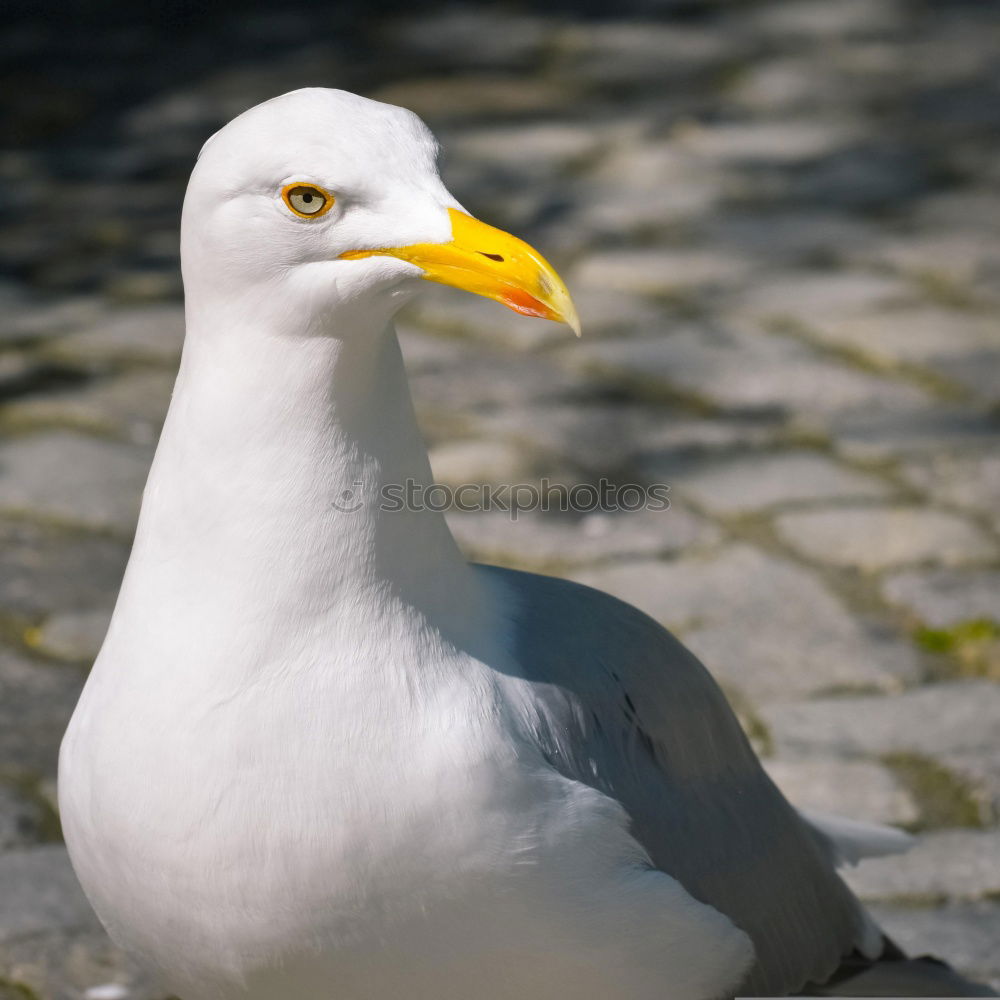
pixel 781 224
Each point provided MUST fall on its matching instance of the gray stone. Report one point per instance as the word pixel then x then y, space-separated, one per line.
pixel 738 485
pixel 859 789
pixel 607 438
pixel 72 635
pixel 42 320
pixel 638 161
pixel 812 299
pixel 787 84
pixel 868 176
pixel 957 717
pixel 953 59
pixel 588 434
pixel 825 22
pixel 618 52
pixel 956 260
pixel 474 95
pixel 674 443
pixel 763 626
pixel 964 208
pixel 924 335
pixel 475 461
pixel 876 538
pixel 72 479
pixel 13 295
pixel 954 265
pixel 940 598
pixel 948 864
pixel 15 369
pixel 177 112
pixel 470 38
pixel 979 772
pixel 915 431
pixel 965 934
pixel 956 346
pixel 475 379
pixel 20 819
pixel 551 542
pixel 152 334
pixel 747 371
pixel 132 405
pixel 975 371
pixel 36 702
pixel 536 150
pixel 643 183
pixel 660 272
pixel 783 142
pixel 44 570
pixel 51 944
pixel 39 893
pixel 140 285
pixel 77 964
pixel 792 237
pixel 611 209
pixel 423 351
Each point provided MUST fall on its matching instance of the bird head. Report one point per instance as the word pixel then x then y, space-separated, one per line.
pixel 319 203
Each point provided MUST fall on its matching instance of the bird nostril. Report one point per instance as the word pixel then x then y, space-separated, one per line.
pixel 492 256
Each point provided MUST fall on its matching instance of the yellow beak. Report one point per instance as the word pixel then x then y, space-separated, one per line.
pixel 489 262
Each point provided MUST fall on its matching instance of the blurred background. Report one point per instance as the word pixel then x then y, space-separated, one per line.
pixel 781 223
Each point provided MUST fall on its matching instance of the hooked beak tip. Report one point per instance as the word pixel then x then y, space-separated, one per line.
pixel 490 262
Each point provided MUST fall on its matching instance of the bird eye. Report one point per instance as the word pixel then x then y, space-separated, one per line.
pixel 307 200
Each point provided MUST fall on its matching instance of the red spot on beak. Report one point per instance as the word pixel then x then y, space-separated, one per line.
pixel 526 304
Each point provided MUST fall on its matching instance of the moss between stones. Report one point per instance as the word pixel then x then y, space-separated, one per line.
pixel 918 901
pixel 47 827
pixel 857 357
pixel 943 288
pixel 974 646
pixel 849 691
pixel 11 990
pixel 632 386
pixel 753 725
pixel 943 799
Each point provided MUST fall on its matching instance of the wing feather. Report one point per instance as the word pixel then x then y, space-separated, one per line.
pixel 614 701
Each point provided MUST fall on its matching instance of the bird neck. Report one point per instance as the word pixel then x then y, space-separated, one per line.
pixel 270 476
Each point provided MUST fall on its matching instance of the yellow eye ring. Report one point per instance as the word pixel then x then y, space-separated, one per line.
pixel 307 201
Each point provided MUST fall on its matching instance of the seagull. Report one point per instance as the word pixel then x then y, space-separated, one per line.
pixel 321 756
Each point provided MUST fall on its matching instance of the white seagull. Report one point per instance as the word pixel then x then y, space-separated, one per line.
pixel 323 757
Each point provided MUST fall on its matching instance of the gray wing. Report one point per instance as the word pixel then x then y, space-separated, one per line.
pixel 619 704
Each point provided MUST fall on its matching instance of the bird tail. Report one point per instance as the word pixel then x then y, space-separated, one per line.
pixel 850 841
pixel 882 969
pixel 896 974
